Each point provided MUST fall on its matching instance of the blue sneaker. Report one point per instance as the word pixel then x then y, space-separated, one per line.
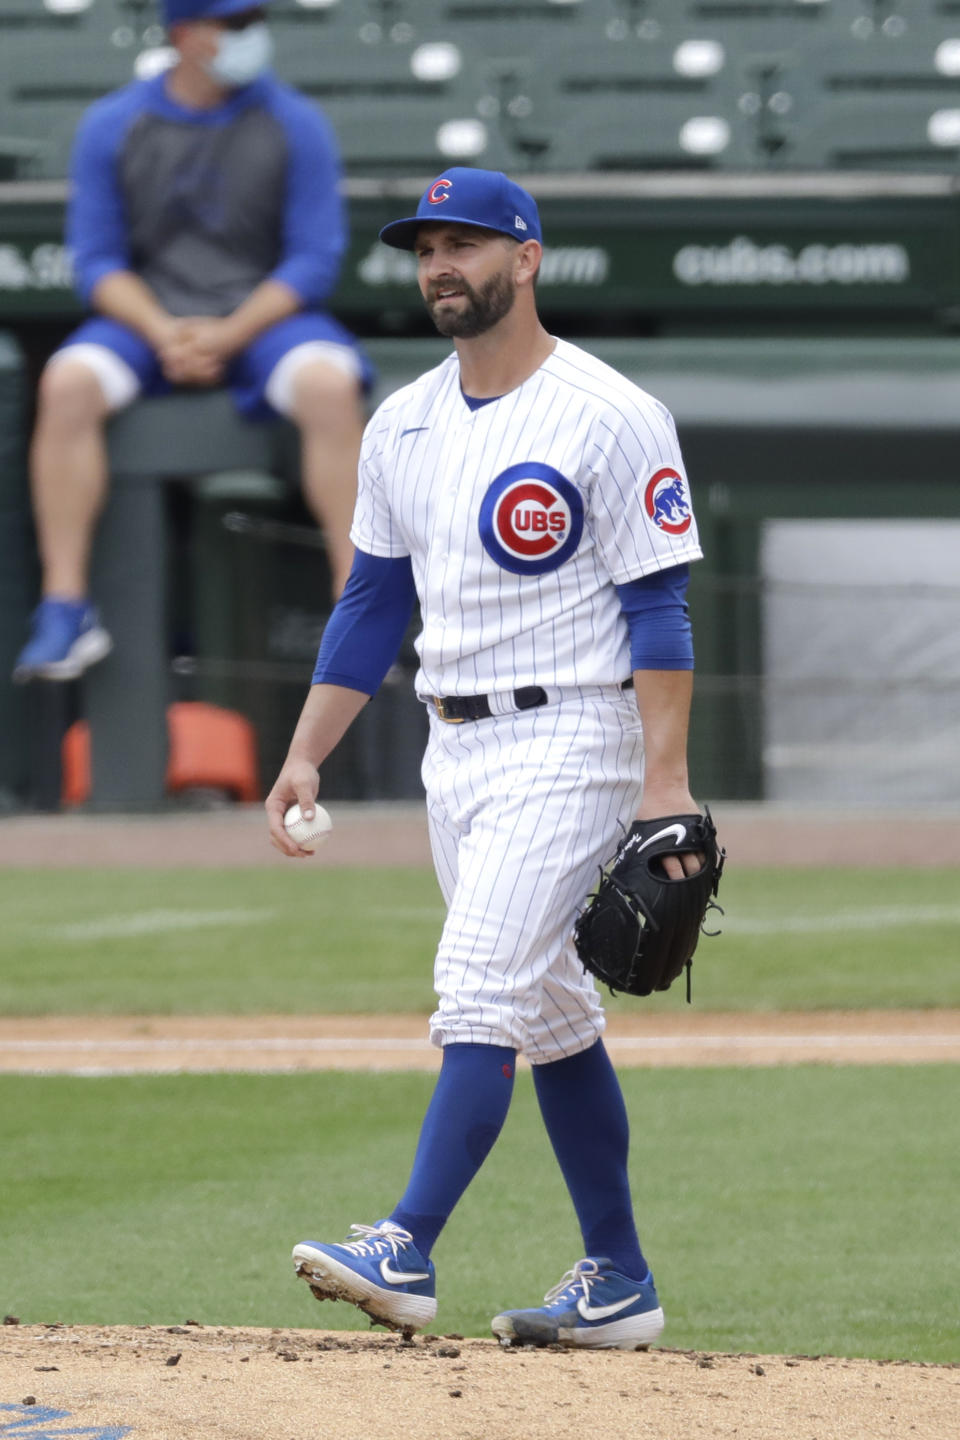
pixel 66 638
pixel 592 1306
pixel 377 1268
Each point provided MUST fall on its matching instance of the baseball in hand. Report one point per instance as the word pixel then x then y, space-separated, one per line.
pixel 307 833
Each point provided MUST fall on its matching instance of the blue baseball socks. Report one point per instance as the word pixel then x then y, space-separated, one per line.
pixel 463 1119
pixel 582 1107
pixel 583 1110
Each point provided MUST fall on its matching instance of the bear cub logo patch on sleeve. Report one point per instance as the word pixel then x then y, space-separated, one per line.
pixel 665 500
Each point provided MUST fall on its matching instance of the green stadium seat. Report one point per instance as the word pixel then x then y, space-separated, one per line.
pixel 80 67
pixel 629 19
pixel 44 139
pixel 124 23
pixel 746 36
pixel 19 156
pixel 543 84
pixel 46 82
pixel 922 60
pixel 892 19
pixel 632 132
pixel 626 106
pixel 305 26
pixel 500 20
pixel 507 11
pixel 907 132
pixel 855 101
pixel 372 21
pixel 17 16
pixel 594 65
pixel 173 437
pixel 760 12
pixel 384 68
pixel 379 138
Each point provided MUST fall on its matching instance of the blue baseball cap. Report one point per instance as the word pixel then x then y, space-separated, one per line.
pixel 463 196
pixel 176 10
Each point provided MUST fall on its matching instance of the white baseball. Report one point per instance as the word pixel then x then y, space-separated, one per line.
pixel 307 833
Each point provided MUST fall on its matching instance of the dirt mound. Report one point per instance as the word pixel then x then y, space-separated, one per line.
pixel 189 1382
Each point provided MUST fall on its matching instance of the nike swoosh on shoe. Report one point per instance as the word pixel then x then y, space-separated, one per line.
pixel 603 1312
pixel 401 1277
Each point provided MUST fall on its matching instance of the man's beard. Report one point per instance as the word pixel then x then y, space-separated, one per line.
pixel 484 308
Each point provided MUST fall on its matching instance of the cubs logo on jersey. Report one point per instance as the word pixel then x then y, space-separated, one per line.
pixel 531 518
pixel 666 502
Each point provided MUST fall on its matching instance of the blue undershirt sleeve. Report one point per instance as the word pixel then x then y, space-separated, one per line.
pixel 314 223
pixel 96 229
pixel 659 623
pixel 369 621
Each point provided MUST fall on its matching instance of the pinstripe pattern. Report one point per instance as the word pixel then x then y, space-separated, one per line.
pixel 427 463
pixel 523 809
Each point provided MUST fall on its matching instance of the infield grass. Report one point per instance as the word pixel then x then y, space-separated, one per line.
pixel 313 940
pixel 802 1210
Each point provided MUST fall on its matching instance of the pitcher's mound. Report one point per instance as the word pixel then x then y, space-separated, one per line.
pixel 190 1382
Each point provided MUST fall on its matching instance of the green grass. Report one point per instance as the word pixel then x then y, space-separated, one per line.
pixel 247 941
pixel 806 1210
pixel 231 942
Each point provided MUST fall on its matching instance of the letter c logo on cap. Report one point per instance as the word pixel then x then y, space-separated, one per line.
pixel 438 191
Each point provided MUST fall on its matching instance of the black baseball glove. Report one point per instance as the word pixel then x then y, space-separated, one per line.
pixel 640 928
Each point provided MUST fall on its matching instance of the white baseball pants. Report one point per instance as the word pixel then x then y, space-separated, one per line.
pixel 523 808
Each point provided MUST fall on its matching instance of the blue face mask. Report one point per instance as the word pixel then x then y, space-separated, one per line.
pixel 242 55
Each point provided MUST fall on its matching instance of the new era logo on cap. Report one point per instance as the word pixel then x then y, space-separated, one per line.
pixel 487 198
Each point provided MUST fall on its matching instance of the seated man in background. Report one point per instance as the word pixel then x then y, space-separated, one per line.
pixel 207 231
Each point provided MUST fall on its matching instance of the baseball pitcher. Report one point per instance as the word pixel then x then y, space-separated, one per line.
pixel 535 503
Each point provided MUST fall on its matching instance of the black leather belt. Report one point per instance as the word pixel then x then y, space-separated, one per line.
pixel 455 709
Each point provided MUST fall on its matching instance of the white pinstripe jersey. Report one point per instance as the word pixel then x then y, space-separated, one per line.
pixel 521 516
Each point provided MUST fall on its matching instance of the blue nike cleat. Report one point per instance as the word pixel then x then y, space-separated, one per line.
pixel 592 1306
pixel 377 1268
pixel 66 638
